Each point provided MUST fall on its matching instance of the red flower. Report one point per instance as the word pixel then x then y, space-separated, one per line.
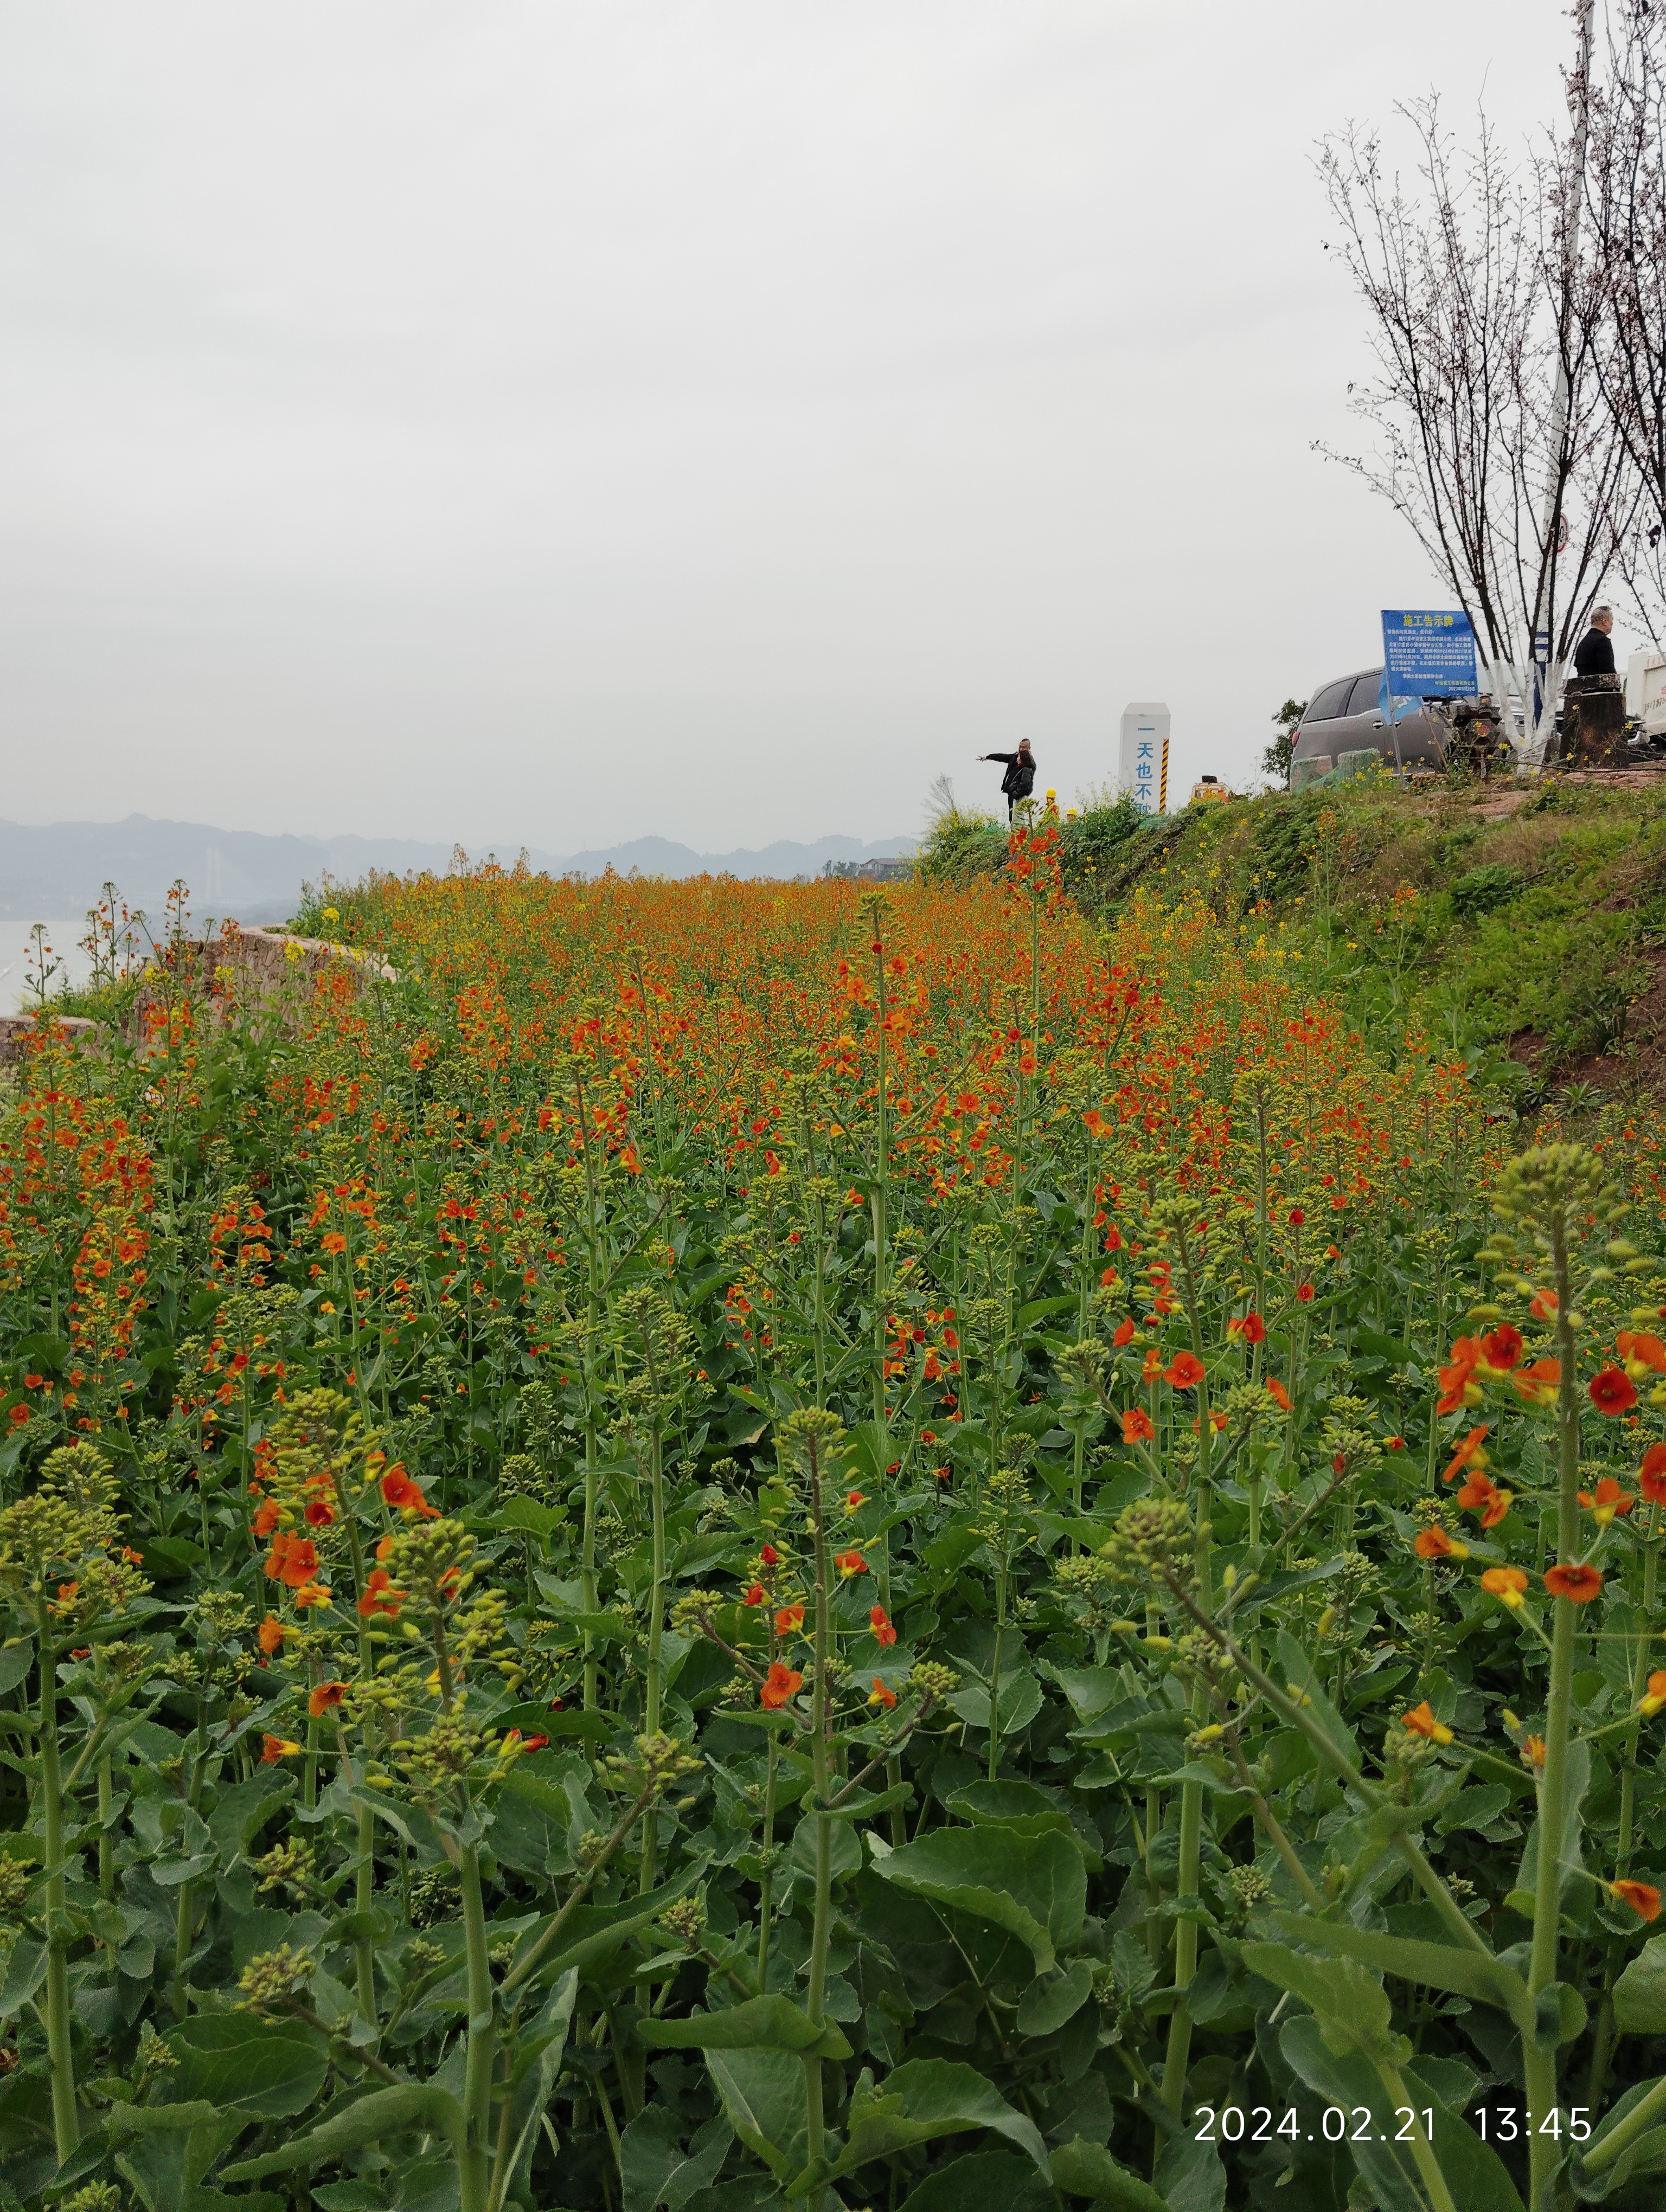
pixel 850 1562
pixel 780 1683
pixel 1434 1543
pixel 1579 1585
pixel 1185 1372
pixel 790 1619
pixel 1250 1326
pixel 754 1594
pixel 1642 1897
pixel 320 1514
pixel 1480 1494
pixel 1651 1476
pixel 534 1742
pixel 1467 1452
pixel 1643 1354
pixel 1503 1349
pixel 271 1635
pixel 274 1748
pixel 1137 1425
pixel 325 1698
pixel 1457 1383
pixel 1296 1217
pixel 881 1696
pixel 884 1634
pixel 266 1518
pixel 1610 1500
pixel 399 1491
pixel 1613 1391
pixel 1123 1333
pixel 292 1559
pixel 381 1598
pixel 1278 1393
pixel 1304 1294
pixel 769 1557
pixel 1539 1383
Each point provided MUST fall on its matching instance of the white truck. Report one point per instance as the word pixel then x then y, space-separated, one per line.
pixel 1645 691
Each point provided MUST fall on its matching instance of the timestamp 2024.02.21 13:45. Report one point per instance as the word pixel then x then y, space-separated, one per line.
pixel 1500 2123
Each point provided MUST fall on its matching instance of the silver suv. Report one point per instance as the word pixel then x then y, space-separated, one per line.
pixel 1345 717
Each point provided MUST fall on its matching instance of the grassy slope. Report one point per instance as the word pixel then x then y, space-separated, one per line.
pixel 1523 926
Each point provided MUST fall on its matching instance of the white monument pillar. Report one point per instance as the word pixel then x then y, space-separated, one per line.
pixel 1143 762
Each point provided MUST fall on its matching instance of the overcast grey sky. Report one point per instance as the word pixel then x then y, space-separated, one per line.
pixel 533 420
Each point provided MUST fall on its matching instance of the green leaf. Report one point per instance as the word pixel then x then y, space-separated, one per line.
pixel 1083 2169
pixel 1474 2173
pixel 595 1931
pixel 163 2151
pixel 1303 1683
pixel 1018 1806
pixel 242 2064
pixel 983 2181
pixel 406 2110
pixel 25 1970
pixel 1035 1887
pixel 844 1845
pixel 1436 1966
pixel 1644 2154
pixel 1352 2005
pixel 763 2096
pixel 242 1811
pixel 655 2169
pixel 1190 2175
pixel 919 2101
pixel 1639 1995
pixel 1020 1701
pixel 1052 1999
pixel 16 1661
pixel 767 2023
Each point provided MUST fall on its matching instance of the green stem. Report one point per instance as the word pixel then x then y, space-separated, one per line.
pixel 474 2166
pixel 66 2124
pixel 655 1671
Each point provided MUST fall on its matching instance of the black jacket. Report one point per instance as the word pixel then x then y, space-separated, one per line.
pixel 1594 655
pixel 1019 780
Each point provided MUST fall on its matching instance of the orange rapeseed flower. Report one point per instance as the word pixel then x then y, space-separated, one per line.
pixel 1607 1500
pixel 1434 1543
pixel 1643 1897
pixel 1508 1584
pixel 1421 1720
pixel 780 1683
pixel 1578 1584
pixel 1468 1453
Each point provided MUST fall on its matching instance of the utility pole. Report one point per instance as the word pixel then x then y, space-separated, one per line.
pixel 1541 705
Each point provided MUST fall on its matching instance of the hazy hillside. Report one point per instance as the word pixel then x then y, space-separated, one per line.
pixel 58 868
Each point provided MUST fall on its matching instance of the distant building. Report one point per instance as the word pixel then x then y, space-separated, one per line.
pixel 895 870
pixel 1209 787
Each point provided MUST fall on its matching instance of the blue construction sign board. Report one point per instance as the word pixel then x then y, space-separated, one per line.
pixel 1427 654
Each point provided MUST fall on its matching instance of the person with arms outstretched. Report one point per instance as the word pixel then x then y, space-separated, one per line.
pixel 1019 780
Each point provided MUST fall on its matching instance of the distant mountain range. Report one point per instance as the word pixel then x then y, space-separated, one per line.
pixel 56 870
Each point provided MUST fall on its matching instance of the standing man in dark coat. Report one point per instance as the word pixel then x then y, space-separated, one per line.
pixel 1594 655
pixel 1019 780
pixel 1597 702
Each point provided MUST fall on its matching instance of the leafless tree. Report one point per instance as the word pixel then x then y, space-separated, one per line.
pixel 1494 438
pixel 1625 305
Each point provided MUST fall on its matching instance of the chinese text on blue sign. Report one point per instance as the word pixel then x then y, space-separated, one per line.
pixel 1427 656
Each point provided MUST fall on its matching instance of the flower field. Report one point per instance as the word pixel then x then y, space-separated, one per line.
pixel 740 1545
